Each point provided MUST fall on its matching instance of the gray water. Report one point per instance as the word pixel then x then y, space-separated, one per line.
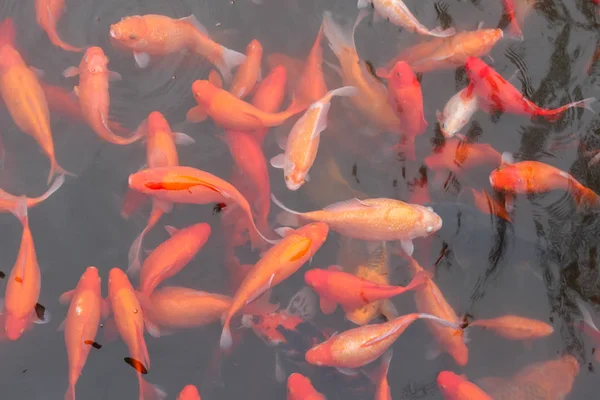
pixel 81 224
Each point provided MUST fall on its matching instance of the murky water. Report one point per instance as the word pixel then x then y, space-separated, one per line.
pixel 486 267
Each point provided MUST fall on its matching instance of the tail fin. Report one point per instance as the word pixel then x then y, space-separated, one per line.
pixel 70 394
pixel 20 210
pixel 226 340
pixel 149 391
pixel 56 169
pixel 57 41
pixel 555 113
pixel 339 41
pixel 442 33
pixel 58 182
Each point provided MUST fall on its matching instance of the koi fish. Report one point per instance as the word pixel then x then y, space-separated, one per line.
pixel 129 321
pixel 376 220
pixel 81 323
pixel 9 201
pixel 360 346
pixel 446 53
pixel 248 74
pixel 552 380
pixel 268 96
pixel 275 266
pixel 172 255
pixel 171 308
pixel 300 387
pixel 93 94
pixel 159 35
pixel 351 292
pixel 178 184
pixel 47 13
pixel 229 112
pixel 160 152
pixel 383 388
pixel 372 100
pixel 457 112
pixel 189 392
pixel 398 14
pixel 303 140
pixel 457 387
pixel 515 328
pixel 406 98
pixel 311 86
pixel 497 95
pixel 24 282
pixel 26 103
pixel 532 177
pixel 429 299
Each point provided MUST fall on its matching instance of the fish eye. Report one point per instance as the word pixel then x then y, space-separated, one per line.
pixel 132 36
pixel 429 208
pixel 429 229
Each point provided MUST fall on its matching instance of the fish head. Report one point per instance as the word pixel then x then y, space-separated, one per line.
pixel 15 326
pixel 130 32
pixel 204 92
pixel 117 280
pixel 448 382
pixel 319 354
pixel 317 279
pixel 476 69
pixel 254 48
pixel 428 223
pixel 506 178
pixel 299 387
pixel 157 122
pixel 401 75
pixel 294 178
pixel 94 61
pixel 90 280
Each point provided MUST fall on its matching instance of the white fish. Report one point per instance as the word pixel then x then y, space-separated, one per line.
pixel 457 113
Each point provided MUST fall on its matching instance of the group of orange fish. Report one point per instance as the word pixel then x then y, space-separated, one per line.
pixel 245 105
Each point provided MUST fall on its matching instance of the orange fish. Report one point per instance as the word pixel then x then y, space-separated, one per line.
pixel 351 292
pixel 382 391
pixel 300 387
pixel 311 85
pixel 372 100
pixel 9 202
pixel 376 220
pixel 24 282
pixel 249 72
pixel 171 308
pixel 429 299
pixel 268 96
pixel 229 112
pixel 457 387
pixel 26 103
pixel 406 98
pixel 303 140
pixel 360 346
pixel 47 13
pixel 189 392
pixel 189 185
pixel 149 35
pixel 515 328
pixel 446 53
pixel 533 177
pixel 548 380
pixel 129 320
pixel 275 266
pixel 81 324
pixel 93 94
pixel 160 152
pixel 172 255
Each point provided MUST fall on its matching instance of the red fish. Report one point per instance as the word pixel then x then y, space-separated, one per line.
pixel 47 13
pixel 94 96
pixel 351 292
pixel 24 282
pixel 189 392
pixel 81 324
pixel 172 255
pixel 455 387
pixel 300 387
pixel 406 98
pixel 497 95
pixel 26 103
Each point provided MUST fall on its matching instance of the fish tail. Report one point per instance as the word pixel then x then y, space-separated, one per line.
pixel 70 394
pixel 134 255
pixel 514 29
pixel 149 391
pixel 226 340
pixel 441 321
pixel 554 114
pixel 58 182
pixel 587 317
pixel 19 210
pixel 228 60
pixel 340 41
pixel 342 92
pixel 57 41
pixel 56 169
pixel 442 33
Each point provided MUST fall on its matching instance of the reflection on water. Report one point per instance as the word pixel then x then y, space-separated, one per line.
pixel 536 258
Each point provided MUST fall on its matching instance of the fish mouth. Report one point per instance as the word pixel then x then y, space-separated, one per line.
pixel 115 32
